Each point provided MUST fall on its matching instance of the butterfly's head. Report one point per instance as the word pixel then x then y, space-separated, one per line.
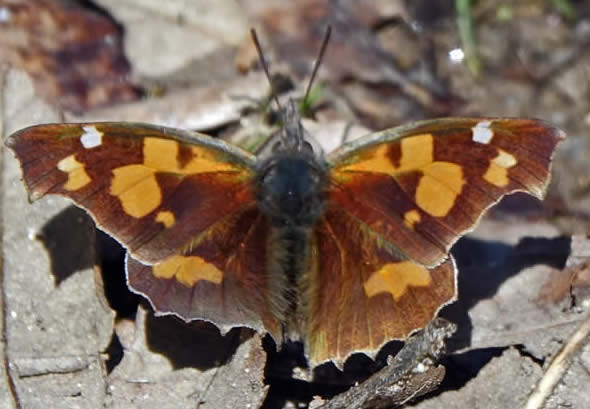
pixel 291 138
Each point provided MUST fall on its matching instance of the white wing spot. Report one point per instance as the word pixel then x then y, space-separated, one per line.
pixel 482 132
pixel 91 138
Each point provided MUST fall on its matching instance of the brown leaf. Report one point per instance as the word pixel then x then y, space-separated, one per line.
pixel 74 55
pixel 562 283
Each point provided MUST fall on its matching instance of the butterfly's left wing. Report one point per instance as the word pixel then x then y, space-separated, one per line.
pixel 422 186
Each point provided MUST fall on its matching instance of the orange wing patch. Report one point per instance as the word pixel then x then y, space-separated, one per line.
pixel 137 189
pixel 166 218
pixel 165 155
pixel 411 217
pixel 188 270
pixel 497 173
pixel 415 153
pixel 396 278
pixel 439 187
pixel 77 176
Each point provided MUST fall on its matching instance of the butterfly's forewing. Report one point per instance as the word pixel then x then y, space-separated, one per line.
pixel 362 294
pixel 421 186
pixel 152 188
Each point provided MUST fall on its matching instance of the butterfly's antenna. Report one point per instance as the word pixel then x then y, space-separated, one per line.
pixel 318 61
pixel 264 66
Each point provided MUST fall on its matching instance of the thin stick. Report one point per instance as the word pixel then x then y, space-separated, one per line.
pixel 264 66
pixel 558 366
pixel 318 61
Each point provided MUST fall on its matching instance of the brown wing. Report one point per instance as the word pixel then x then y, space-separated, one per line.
pixel 362 294
pixel 180 202
pixel 424 185
pixel 220 277
pixel 154 189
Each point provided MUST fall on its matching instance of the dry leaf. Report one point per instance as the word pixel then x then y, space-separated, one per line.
pixel 74 55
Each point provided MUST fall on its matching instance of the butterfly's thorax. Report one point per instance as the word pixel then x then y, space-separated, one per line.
pixel 289 190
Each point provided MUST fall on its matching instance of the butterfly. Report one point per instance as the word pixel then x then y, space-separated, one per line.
pixel 345 251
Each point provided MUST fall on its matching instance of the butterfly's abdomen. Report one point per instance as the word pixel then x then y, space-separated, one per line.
pixel 287 268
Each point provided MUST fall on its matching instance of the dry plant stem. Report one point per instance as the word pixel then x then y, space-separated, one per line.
pixel 467 34
pixel 3 72
pixel 559 366
pixel 409 374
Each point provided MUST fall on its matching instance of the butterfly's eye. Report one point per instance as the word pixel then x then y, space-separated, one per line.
pixel 276 147
pixel 307 147
pixel 268 174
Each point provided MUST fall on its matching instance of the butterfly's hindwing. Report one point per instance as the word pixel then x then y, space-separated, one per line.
pixel 364 295
pixel 220 276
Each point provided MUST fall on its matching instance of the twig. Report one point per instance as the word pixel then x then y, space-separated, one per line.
pixel 559 366
pixel 409 374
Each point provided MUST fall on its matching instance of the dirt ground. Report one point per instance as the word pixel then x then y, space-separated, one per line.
pixel 74 336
